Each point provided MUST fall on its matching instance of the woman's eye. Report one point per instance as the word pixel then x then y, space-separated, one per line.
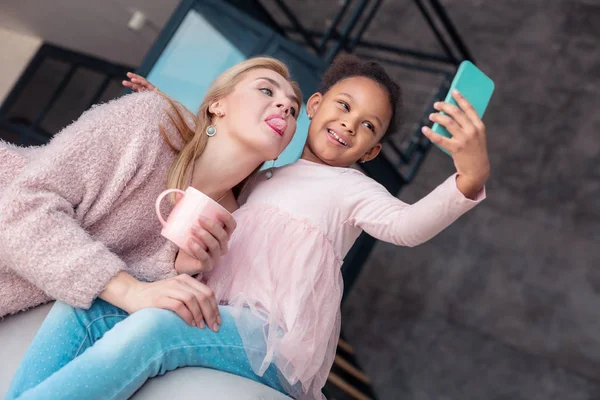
pixel 369 126
pixel 267 91
pixel 345 105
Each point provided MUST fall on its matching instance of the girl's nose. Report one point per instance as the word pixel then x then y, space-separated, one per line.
pixel 345 125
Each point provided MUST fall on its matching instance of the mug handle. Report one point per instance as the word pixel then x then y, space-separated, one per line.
pixel 159 200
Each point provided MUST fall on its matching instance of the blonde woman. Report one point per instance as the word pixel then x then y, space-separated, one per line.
pixel 78 220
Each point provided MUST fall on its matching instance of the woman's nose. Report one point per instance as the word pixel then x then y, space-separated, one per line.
pixel 285 106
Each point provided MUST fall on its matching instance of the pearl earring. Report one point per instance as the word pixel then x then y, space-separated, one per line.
pixel 269 173
pixel 211 130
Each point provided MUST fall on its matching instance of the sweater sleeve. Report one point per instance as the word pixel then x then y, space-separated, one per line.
pixel 374 210
pixel 77 177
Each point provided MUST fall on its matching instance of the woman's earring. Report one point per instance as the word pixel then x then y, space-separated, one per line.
pixel 269 173
pixel 211 130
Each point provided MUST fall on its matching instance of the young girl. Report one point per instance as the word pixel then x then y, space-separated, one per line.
pixel 280 285
pixel 296 227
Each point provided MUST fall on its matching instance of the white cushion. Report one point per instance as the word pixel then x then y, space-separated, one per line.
pixel 17 331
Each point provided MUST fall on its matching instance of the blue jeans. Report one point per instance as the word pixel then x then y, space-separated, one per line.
pixel 106 353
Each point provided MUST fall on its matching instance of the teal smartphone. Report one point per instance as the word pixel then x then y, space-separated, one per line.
pixel 475 86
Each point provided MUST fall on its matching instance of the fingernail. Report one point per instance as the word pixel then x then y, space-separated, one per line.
pixel 431 115
pixel 216 328
pixel 219 320
pixel 455 91
pixel 436 104
pixel 424 129
pixel 202 325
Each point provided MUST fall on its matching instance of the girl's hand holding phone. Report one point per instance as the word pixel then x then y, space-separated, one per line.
pixel 467 144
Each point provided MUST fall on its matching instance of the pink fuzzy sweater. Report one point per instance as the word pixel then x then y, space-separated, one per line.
pixel 77 211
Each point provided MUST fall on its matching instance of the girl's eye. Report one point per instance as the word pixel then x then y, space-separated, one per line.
pixel 369 126
pixel 345 105
pixel 267 91
pixel 293 111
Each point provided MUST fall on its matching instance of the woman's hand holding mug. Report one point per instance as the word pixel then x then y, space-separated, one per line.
pixel 206 245
pixel 200 227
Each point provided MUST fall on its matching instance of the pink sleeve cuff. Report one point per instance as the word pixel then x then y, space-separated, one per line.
pixel 481 195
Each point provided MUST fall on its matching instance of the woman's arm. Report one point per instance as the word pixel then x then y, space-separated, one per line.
pixel 192 300
pixel 42 238
pixel 186 264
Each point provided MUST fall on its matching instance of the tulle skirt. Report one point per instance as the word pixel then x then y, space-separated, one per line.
pixel 285 270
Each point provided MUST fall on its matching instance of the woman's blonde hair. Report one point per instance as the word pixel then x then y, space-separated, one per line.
pixel 194 135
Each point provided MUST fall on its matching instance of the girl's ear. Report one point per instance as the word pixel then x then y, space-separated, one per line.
pixel 371 154
pixel 313 103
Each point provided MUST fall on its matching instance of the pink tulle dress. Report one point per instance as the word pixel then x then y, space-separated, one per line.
pixel 292 234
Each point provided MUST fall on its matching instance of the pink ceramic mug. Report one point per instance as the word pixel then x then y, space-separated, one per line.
pixel 193 204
